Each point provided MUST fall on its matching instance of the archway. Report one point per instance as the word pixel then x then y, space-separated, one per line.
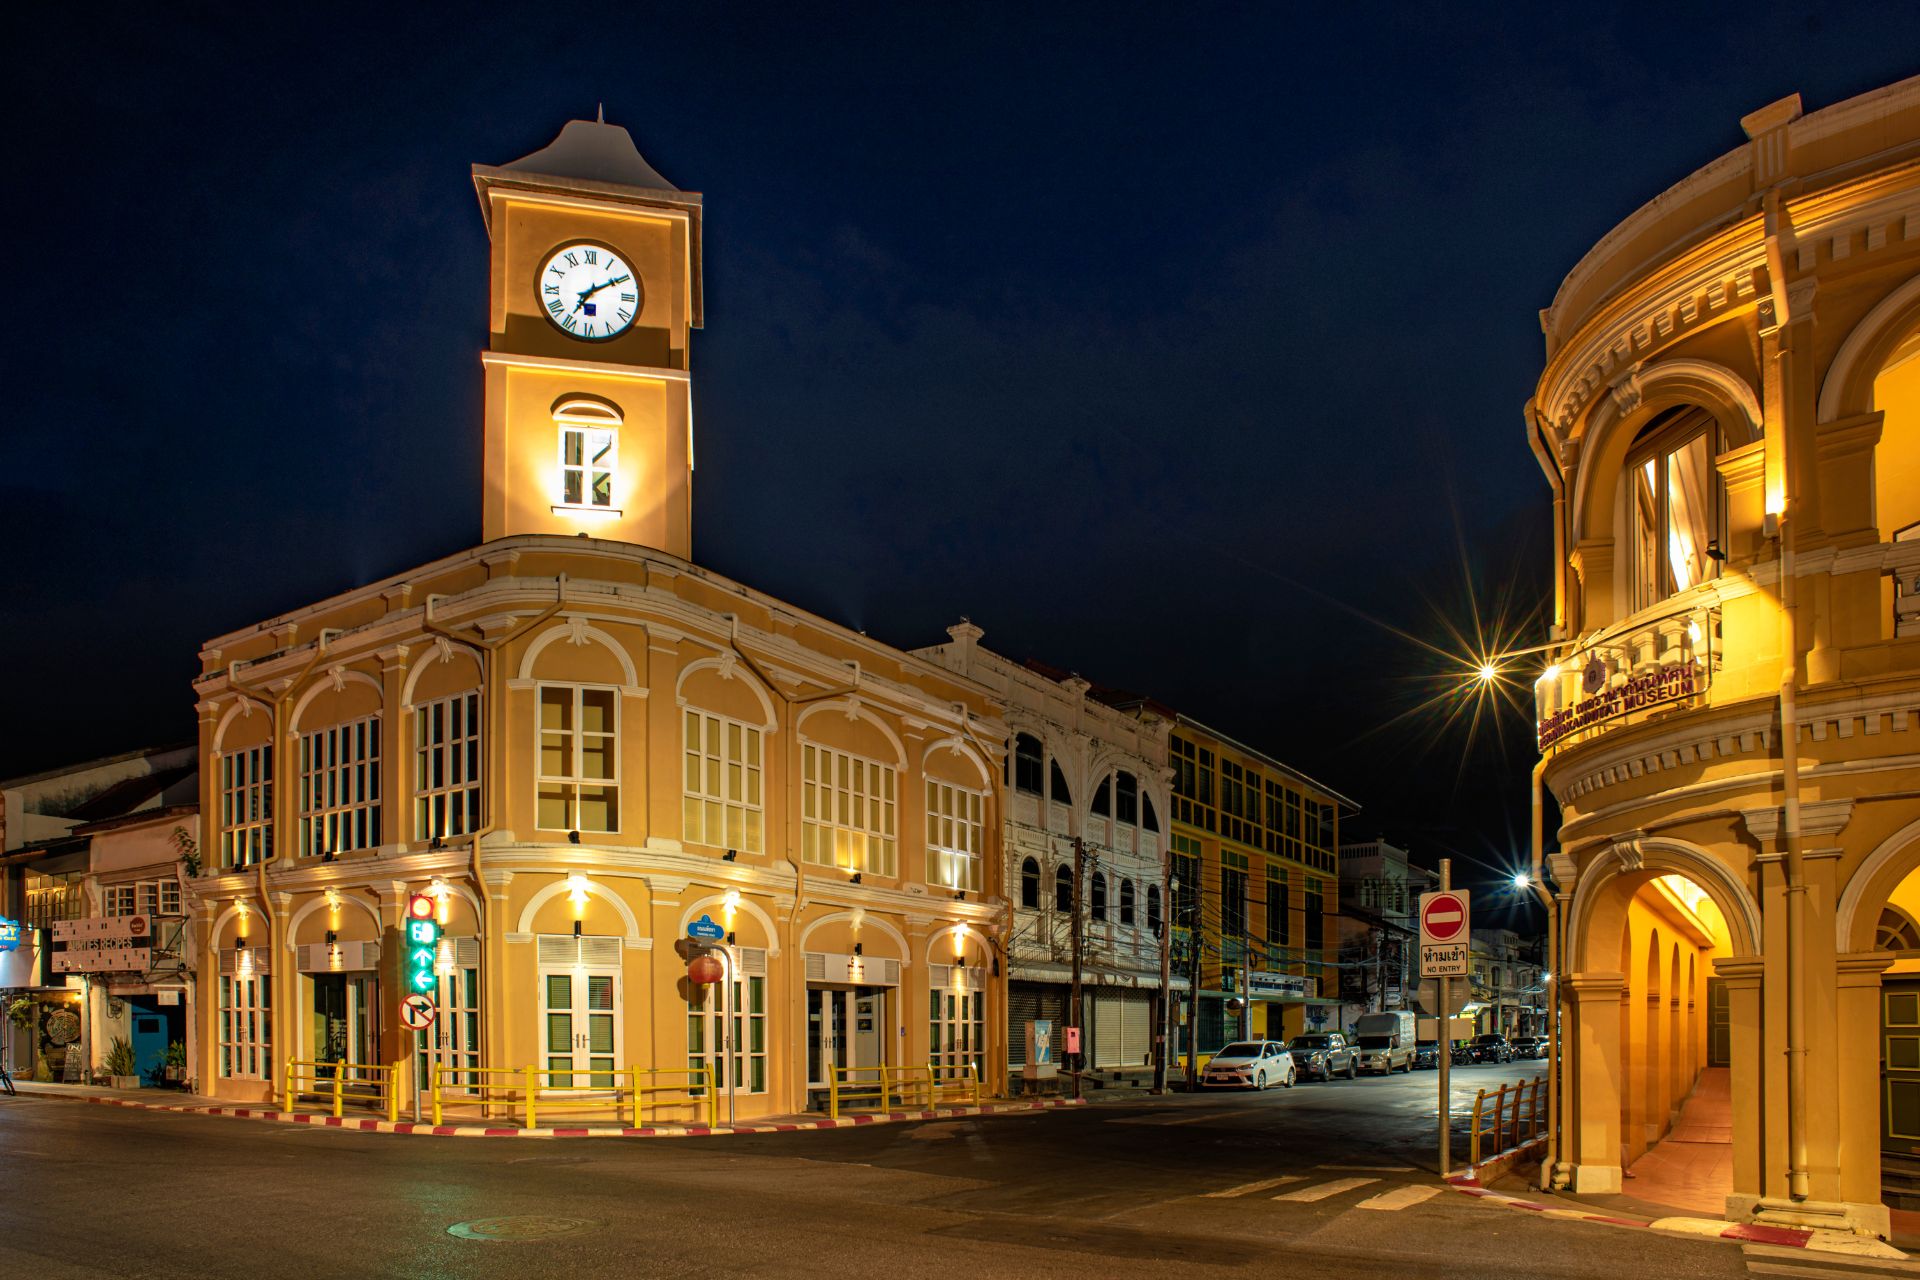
pixel 1650 922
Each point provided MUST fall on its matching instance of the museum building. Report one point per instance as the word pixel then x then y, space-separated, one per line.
pixel 1729 419
pixel 584 748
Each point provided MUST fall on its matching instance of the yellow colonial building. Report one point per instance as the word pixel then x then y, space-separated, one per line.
pixel 585 747
pixel 1729 418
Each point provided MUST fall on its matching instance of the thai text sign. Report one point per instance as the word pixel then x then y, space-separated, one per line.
pixel 103 944
pixel 1276 986
pixel 1671 683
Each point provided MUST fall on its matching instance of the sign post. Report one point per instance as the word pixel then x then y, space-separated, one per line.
pixel 1446 930
pixel 418 1005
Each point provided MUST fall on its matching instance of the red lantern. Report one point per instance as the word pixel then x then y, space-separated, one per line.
pixel 705 970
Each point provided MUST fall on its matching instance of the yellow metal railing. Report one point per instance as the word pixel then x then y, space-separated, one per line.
pixel 1517 1116
pixel 881 1085
pixel 338 1083
pixel 532 1090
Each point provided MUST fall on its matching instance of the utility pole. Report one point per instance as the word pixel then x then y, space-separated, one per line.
pixel 1073 1006
pixel 1166 977
pixel 1193 990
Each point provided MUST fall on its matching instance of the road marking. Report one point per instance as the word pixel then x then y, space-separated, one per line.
pixel 1809 1271
pixel 1400 1197
pixel 1169 1118
pixel 1862 1255
pixel 1366 1168
pixel 1325 1189
pixel 1248 1188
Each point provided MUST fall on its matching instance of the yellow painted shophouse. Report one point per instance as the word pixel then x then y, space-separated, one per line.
pixel 1255 879
pixel 583 747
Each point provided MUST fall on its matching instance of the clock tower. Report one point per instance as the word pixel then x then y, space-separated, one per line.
pixel 595 288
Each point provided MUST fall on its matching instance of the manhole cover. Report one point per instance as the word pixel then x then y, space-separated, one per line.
pixel 529 1226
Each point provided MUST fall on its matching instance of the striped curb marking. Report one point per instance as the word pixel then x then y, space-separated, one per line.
pixel 603 1131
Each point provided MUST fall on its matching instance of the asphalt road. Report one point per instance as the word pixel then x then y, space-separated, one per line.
pixel 1327 1181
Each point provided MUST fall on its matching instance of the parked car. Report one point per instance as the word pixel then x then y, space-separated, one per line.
pixel 1250 1064
pixel 1489 1046
pixel 1529 1046
pixel 1426 1055
pixel 1324 1055
pixel 1385 1041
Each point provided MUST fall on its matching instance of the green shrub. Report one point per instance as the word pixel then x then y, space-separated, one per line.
pixel 120 1060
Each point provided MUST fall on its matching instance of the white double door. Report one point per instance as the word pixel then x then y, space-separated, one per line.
pixel 846 1027
pixel 580 1024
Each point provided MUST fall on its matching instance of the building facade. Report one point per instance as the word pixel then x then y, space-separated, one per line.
pixel 584 748
pixel 1379 928
pixel 1729 419
pixel 1254 870
pixel 1087 785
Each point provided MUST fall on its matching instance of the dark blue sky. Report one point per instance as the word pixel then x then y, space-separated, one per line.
pixel 1163 341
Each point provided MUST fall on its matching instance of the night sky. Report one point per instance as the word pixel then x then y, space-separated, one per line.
pixel 1182 346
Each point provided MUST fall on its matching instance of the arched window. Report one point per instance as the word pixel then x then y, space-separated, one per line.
pixel 1063 889
pixel 1149 819
pixel 1062 794
pixel 1897 931
pixel 1153 908
pixel 1673 505
pixel 1126 902
pixel 1103 799
pixel 1099 896
pixel 1028 760
pixel 589 434
pixel 1030 883
pixel 1126 799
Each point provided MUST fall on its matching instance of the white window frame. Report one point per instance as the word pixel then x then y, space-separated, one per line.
pixel 340 787
pixel 453 1041
pixel 849 817
pixel 956 835
pixel 589 466
pixel 246 805
pixel 117 899
pixel 246 1025
pixel 448 759
pixel 723 782
pixel 572 781
pixel 947 1026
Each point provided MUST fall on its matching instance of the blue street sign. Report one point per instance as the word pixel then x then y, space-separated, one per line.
pixel 705 929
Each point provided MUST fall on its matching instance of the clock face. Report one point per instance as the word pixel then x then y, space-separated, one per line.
pixel 589 291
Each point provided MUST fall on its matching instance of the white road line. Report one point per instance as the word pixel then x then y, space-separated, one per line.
pixel 1175 1119
pixel 1248 1188
pixel 1810 1271
pixel 1400 1197
pixel 1325 1189
pixel 1366 1168
pixel 1842 1261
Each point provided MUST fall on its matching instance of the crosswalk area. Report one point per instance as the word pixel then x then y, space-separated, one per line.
pixel 1774 1262
pixel 1383 1195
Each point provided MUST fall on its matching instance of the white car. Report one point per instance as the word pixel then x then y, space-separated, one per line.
pixel 1250 1064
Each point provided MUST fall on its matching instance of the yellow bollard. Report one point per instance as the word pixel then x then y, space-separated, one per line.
pixel 436 1094
pixel 393 1097
pixel 286 1088
pixel 713 1099
pixel 339 1078
pixel 833 1091
pixel 633 1096
pixel 528 1078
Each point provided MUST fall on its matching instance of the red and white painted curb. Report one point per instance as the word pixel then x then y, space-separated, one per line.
pixel 1709 1228
pixel 361 1125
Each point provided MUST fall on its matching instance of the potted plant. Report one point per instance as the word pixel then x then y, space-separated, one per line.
pixel 121 1067
pixel 176 1063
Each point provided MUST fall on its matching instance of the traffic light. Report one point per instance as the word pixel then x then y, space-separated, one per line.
pixel 422 943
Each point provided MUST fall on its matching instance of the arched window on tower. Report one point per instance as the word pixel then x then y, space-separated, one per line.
pixel 1126 799
pixel 1897 931
pixel 1673 505
pixel 1063 889
pixel 1103 799
pixel 1062 794
pixel 1099 897
pixel 589 434
pixel 1126 902
pixel 1030 883
pixel 1153 909
pixel 1148 818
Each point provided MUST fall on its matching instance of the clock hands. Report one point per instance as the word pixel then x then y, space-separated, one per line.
pixel 588 293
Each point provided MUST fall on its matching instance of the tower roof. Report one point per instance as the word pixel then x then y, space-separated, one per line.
pixel 595 151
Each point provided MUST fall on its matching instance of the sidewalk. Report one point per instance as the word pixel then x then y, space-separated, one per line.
pixel 195 1104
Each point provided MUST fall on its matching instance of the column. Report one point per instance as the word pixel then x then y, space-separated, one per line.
pixel 1753 1126
pixel 1819 870
pixel 1857 1003
pixel 1593 1133
pixel 396 818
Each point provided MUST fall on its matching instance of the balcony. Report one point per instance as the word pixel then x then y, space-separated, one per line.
pixel 1665 660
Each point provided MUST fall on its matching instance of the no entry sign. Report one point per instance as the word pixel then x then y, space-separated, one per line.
pixel 1445 924
pixel 1443 916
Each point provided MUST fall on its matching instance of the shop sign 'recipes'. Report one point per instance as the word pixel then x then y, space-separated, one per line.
pixel 103 944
